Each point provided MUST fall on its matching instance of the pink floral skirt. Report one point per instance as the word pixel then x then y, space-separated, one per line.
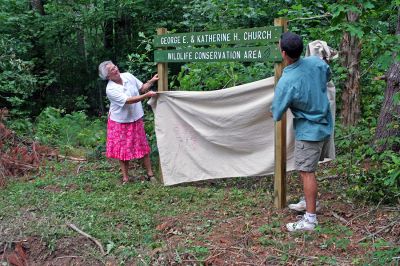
pixel 126 141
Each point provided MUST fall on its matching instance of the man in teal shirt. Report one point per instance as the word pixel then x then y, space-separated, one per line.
pixel 302 88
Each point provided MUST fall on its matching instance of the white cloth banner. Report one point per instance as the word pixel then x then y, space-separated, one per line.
pixel 225 133
pixel 217 134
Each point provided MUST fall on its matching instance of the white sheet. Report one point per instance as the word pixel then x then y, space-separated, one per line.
pixel 218 134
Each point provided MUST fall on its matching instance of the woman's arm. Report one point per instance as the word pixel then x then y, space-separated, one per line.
pixel 146 86
pixel 135 99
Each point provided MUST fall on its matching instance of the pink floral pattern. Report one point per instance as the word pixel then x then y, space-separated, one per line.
pixel 126 141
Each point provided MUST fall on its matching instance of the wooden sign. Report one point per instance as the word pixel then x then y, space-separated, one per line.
pixel 242 54
pixel 239 36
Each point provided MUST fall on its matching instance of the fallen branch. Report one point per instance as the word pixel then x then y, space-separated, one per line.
pixel 213 256
pixel 369 211
pixel 381 78
pixel 294 255
pixel 328 177
pixel 72 226
pixel 67 257
pixel 339 218
pixel 391 209
pixel 4 251
pixel 18 164
pixel 322 16
pixel 380 230
pixel 79 168
pixel 72 158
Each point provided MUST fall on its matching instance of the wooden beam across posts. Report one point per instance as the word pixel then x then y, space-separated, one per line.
pixel 280 140
pixel 162 71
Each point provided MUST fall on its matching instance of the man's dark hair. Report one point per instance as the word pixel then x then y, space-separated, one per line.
pixel 292 44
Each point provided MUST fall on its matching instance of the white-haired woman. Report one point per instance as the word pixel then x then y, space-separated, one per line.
pixel 126 137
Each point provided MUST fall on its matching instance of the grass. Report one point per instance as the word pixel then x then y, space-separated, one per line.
pixel 124 217
pixel 149 224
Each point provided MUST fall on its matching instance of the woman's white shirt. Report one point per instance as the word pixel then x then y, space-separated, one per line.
pixel 118 94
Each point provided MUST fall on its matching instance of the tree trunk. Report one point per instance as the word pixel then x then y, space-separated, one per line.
pixel 38 6
pixel 350 50
pixel 108 37
pixel 80 36
pixel 389 117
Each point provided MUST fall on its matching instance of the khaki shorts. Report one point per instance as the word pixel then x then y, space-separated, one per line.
pixel 307 154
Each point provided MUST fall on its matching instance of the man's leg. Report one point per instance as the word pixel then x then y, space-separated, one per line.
pixel 310 188
pixel 307 154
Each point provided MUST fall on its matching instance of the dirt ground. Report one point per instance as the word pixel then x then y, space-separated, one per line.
pixel 258 238
pixel 238 240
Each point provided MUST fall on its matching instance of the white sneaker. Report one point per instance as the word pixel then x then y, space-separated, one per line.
pixel 301 205
pixel 302 225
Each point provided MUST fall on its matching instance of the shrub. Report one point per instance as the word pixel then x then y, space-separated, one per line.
pixel 69 131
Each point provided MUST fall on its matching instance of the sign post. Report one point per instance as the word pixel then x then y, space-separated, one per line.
pixel 162 71
pixel 280 141
pixel 230 45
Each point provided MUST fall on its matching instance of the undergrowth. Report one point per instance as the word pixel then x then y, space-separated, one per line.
pixel 373 176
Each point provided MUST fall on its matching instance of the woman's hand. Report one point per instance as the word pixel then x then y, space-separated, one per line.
pixel 150 94
pixel 154 79
pixel 146 86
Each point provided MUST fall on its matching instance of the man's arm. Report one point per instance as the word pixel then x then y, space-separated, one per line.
pixel 328 74
pixel 281 102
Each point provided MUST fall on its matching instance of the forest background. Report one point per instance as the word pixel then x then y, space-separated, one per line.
pixel 50 51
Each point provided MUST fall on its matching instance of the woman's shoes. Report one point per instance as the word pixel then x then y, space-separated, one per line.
pixel 129 180
pixel 149 178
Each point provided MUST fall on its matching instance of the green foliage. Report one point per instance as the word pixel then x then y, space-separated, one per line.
pixel 17 81
pixel 203 15
pixel 372 176
pixel 338 236
pixel 140 64
pixel 270 229
pixel 383 253
pixel 219 75
pixel 19 78
pixel 69 131
pixel 310 20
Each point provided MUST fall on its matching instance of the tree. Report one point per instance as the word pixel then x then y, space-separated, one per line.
pixel 37 5
pixel 389 117
pixel 350 51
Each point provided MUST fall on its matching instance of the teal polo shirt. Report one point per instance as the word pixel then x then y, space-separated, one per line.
pixel 302 88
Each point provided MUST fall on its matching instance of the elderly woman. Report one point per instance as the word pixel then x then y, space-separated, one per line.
pixel 126 137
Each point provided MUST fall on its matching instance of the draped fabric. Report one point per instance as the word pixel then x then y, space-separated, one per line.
pixel 321 49
pixel 217 134
pixel 223 133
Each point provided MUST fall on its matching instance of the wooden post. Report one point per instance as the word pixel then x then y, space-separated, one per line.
pixel 162 68
pixel 280 140
pixel 162 71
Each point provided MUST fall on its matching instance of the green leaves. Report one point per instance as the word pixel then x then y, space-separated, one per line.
pixel 213 76
pixel 69 131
